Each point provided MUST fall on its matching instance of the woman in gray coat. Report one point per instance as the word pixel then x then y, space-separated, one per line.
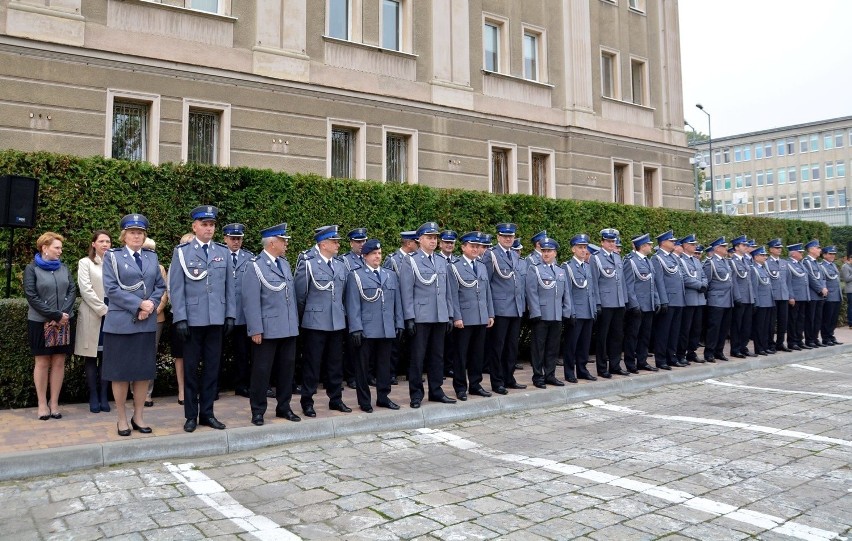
pixel 50 292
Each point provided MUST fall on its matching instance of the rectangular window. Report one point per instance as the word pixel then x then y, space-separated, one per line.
pixel 770 204
pixel 727 182
pixel 758 151
pixel 338 19
pixel 491 44
pixel 782 203
pixel 210 6
pixel 814 142
pixel 747 153
pixel 203 140
pixel 828 141
pixel 727 155
pixel 841 198
pixel 782 176
pixel 708 184
pixel 780 147
pixel 342 153
pixel 759 178
pixel 815 171
pixel 738 154
pixel 391 25
pixel 840 168
pixel 803 143
pixel 816 198
pixel 770 179
pixel 718 183
pixel 791 147
pixel 830 199
pixel 539 174
pixel 638 5
pixel 396 158
pixel 829 169
pixel 530 56
pixel 791 175
pixel 619 179
pixel 806 201
pixel 718 157
pixel 609 75
pixel 806 173
pixel 129 131
pixel 738 180
pixel 747 178
pixel 638 79
pixel 761 206
pixel 838 139
pixel 767 150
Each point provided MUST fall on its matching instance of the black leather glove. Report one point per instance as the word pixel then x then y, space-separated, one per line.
pixel 702 289
pixel 182 330
pixel 598 311
pixel 738 303
pixel 571 321
pixel 535 320
pixel 229 325
pixel 634 310
pixel 356 338
pixel 449 327
pixel 664 308
pixel 409 327
pixel 399 332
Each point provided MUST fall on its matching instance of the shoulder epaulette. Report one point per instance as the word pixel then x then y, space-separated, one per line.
pixel 255 258
pixel 116 249
pixel 149 250
pixel 221 244
pixel 249 252
pixel 181 245
pixel 306 256
pixel 338 258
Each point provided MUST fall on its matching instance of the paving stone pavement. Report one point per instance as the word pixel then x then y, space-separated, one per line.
pixel 703 460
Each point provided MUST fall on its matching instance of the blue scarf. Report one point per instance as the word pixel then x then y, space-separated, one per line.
pixel 51 265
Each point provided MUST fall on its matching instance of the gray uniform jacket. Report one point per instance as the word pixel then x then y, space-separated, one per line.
pixel 470 293
pixel 693 281
pixel 425 289
pixel 720 290
pixel 641 287
pixel 547 292
pixel 608 275
pixel 320 292
pixel 352 261
pixel 269 298
pixel 761 283
pixel 126 287
pixel 374 303
pixel 846 276
pixel 581 289
pixel 799 289
pixel 533 258
pixel 832 281
pixel 49 293
pixel 743 290
pixel 236 274
pixel 779 273
pixel 200 290
pixel 393 261
pixel 507 277
pixel 816 277
pixel 668 275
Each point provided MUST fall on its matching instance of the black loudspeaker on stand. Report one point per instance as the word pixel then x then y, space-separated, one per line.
pixel 18 203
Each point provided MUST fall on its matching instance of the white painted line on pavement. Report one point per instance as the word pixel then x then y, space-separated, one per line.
pixel 772 390
pixel 761 520
pixel 214 495
pixel 812 368
pixel 795 434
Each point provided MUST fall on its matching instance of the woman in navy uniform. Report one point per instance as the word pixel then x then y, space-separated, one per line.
pixel 134 286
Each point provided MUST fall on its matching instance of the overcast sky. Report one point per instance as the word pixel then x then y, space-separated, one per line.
pixel 760 64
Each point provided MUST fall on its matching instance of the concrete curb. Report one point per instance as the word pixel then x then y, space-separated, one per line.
pixel 61 460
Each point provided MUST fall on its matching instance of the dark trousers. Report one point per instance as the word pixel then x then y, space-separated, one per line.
pixel 349 358
pixel 637 336
pixel 829 320
pixel 849 309
pixel 501 350
pixel 278 354
pixel 544 348
pixel 238 345
pixel 690 328
pixel 813 321
pixel 718 324
pixel 578 338
pixel 428 338
pixel 610 335
pixel 741 327
pixel 451 353
pixel 796 324
pixel 762 330
pixel 376 352
pixel 667 331
pixel 778 323
pixel 204 347
pixel 470 350
pixel 323 349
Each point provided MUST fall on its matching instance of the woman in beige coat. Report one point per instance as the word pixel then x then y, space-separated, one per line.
pixel 88 343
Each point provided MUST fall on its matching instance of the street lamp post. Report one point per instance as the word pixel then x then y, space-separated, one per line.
pixel 712 159
pixel 696 163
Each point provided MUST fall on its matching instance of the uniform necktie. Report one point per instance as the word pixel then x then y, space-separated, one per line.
pixel 138 260
pixel 331 266
pixel 277 264
pixel 234 258
pixel 378 277
pixel 204 247
pixel 430 259
pixel 473 264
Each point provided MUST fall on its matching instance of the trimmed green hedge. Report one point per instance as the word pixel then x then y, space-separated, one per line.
pixel 78 195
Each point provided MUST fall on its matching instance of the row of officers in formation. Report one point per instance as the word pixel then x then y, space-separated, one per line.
pixel 364 314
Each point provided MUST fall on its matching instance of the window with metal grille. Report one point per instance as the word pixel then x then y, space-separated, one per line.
pixel 396 158
pixel 342 153
pixel 129 131
pixel 499 171
pixel 539 174
pixel 203 137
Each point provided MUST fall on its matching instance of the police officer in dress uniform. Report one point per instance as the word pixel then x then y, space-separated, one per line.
pixel 695 284
pixel 669 280
pixel 642 302
pixel 272 323
pixel 819 292
pixel 428 311
pixel 720 300
pixel 353 260
pixel 238 342
pixel 507 279
pixel 447 245
pixel 374 309
pixel 400 349
pixel 831 309
pixel 204 309
pixel 320 290
pixel 473 313
pixel 611 291
pixel 548 302
pixel 741 317
pixel 780 278
pixel 578 332
pixel 534 257
pixel 800 294
pixel 763 301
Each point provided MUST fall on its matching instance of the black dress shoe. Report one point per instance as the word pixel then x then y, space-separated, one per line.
pixel 560 362
pixel 371 381
pixel 540 385
pixel 125 432
pixel 571 379
pixel 241 391
pixel 500 390
pixel 394 381
pixel 340 406
pixel 462 396
pixel 678 364
pixel 351 383
pixel 805 346
pixel 605 375
pixel 827 343
pixel 588 377
pixel 620 372
pixel 516 386
pixel 519 366
pixel 257 419
pixel 270 392
pixel 834 342
pixel 699 361
pixel 180 403
pixel 415 404
pixel 289 415
pixel 212 422
pixel 390 404
pixel 723 358
pixel 738 355
pixel 793 347
pixel 149 403
pixel 749 354
pixel 189 425
pixel 649 368
pixel 309 411
pixel 555 381
pixel 443 400
pixel 367 409
pixel 480 392
pixel 141 429
pixel 664 367
pixel 710 360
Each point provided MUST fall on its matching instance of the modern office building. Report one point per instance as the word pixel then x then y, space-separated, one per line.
pixel 791 172
pixel 561 98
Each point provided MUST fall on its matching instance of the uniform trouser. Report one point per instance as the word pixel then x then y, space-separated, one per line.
pixel 322 349
pixel 610 336
pixel 813 321
pixel 762 329
pixel 467 371
pixel 741 327
pixel 272 354
pixel 428 337
pixel 778 323
pixel 374 351
pixel 796 323
pixel 238 344
pixel 637 337
pixel 544 349
pixel 451 353
pixel 849 309
pixel 667 331
pixel 399 355
pixel 829 320
pixel 690 329
pixel 349 357
pixel 203 347
pixel 578 338
pixel 501 350
pixel 718 324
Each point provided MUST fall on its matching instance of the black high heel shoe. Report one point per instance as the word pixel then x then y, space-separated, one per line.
pixel 142 429
pixel 44 417
pixel 125 432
